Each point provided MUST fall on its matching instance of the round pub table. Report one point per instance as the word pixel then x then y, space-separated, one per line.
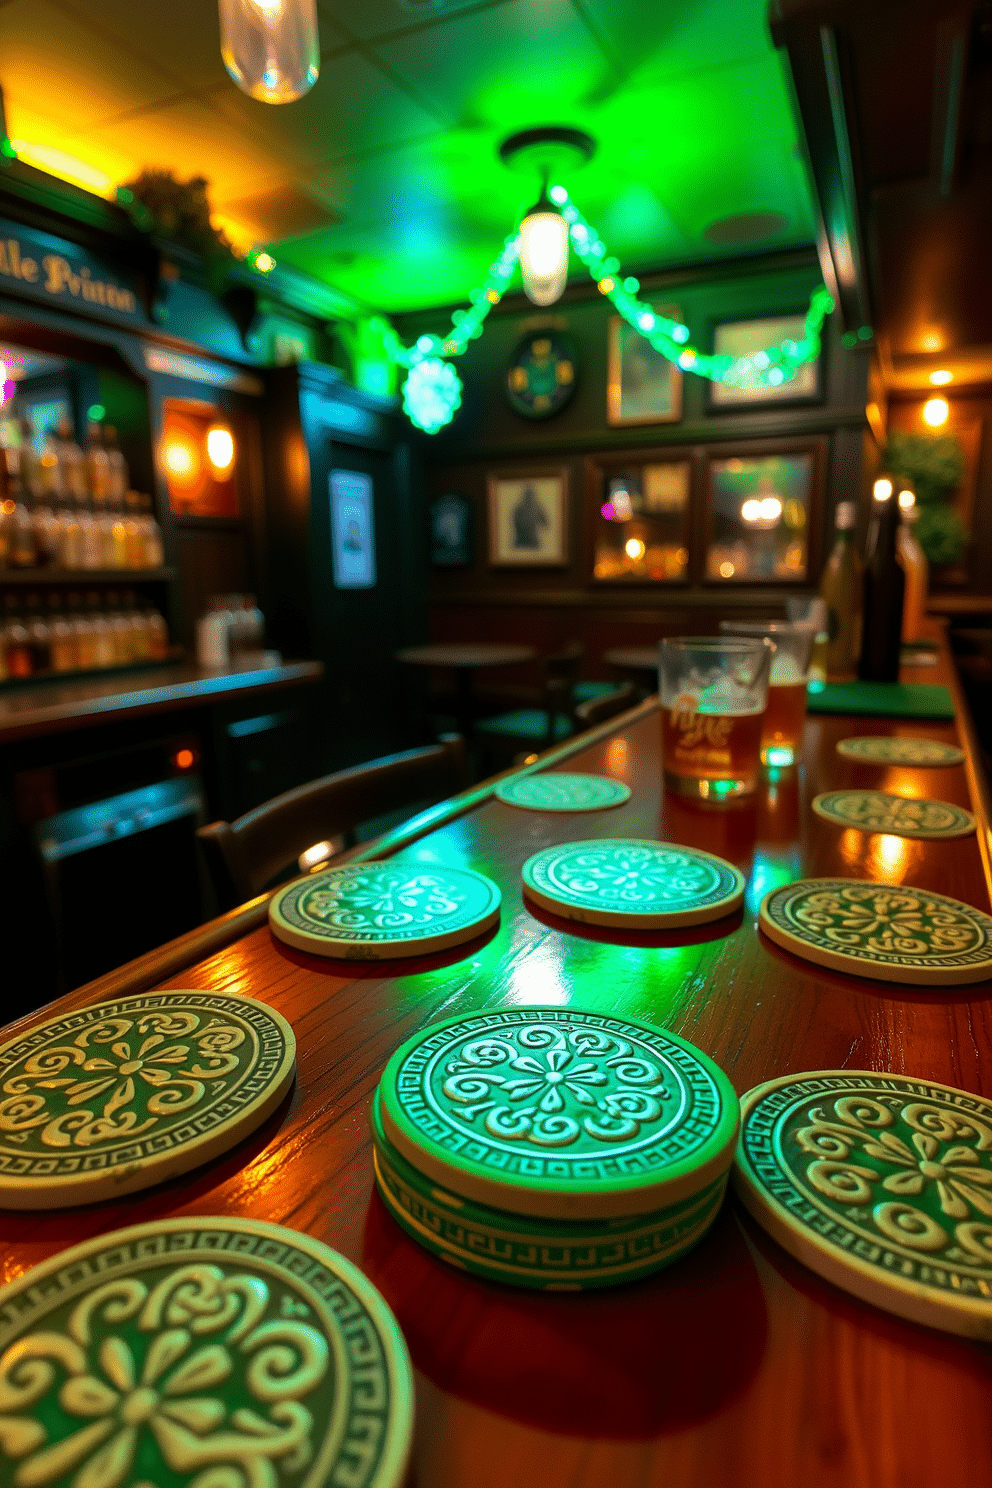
pixel 465 657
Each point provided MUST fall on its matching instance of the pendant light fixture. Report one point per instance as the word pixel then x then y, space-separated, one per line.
pixel 543 230
pixel 270 47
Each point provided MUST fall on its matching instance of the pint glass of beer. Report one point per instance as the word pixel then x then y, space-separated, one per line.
pixel 785 716
pixel 713 696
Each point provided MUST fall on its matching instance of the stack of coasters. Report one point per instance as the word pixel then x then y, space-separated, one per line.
pixel 880 1183
pixel 195 1350
pixel 551 1147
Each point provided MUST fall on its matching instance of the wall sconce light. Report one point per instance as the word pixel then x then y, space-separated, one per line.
pixel 220 451
pixel 270 47
pixel 882 489
pixel 181 458
pixel 935 411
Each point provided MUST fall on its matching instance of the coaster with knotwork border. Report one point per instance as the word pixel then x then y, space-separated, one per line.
pixel 559 1112
pixel 634 884
pixel 887 749
pixel 120 1095
pixel 891 932
pixel 903 816
pixel 192 1351
pixel 378 911
pixel 880 1183
pixel 556 791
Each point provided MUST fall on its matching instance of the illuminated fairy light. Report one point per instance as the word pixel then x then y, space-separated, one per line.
pixel 432 394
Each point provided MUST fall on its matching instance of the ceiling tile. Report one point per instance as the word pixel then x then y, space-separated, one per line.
pixel 54 62
pixel 667 37
pixel 181 38
pixel 382 17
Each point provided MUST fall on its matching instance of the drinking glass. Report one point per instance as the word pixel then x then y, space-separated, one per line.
pixel 713 697
pixel 782 731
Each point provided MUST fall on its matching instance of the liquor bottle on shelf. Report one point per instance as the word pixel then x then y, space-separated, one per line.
pixel 47 531
pixel 914 564
pixel 158 635
pixel 97 465
pixel 134 532
pixel 27 458
pixel 841 588
pixel 116 552
pixel 119 478
pixel 91 551
pixel 103 639
pixel 154 547
pixel 21 549
pixel 48 484
pixel 120 629
pixel 884 586
pixel 70 532
pixel 138 622
pixel 39 634
pixel 64 651
pixel 82 630
pixel 71 461
pixel 17 642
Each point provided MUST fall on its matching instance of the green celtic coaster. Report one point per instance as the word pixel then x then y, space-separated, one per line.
pixel 882 1184
pixel 638 884
pixel 201 1353
pixel 878 811
pixel 559 1113
pixel 375 911
pixel 887 931
pixel 884 749
pixel 120 1095
pixel 545 1254
pixel 559 792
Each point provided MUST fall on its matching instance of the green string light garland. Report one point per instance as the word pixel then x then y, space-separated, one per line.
pixel 432 392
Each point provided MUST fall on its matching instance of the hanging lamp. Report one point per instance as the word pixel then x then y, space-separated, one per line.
pixel 270 47
pixel 543 230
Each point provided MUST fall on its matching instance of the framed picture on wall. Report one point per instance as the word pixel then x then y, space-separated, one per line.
pixel 738 338
pixel 450 528
pixel 640 518
pixel 352 530
pixel 761 515
pixel 643 386
pixel 528 520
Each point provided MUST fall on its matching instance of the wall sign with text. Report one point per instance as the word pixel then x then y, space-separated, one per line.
pixel 56 272
pixel 352 530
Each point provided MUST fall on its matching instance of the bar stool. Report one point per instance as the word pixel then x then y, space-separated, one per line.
pixel 599 709
pixel 246 856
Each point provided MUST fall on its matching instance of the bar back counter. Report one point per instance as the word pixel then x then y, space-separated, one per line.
pixel 737 1365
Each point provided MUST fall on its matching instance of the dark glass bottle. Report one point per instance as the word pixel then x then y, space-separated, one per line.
pixel 884 590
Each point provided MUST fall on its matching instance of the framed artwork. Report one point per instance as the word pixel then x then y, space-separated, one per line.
pixel 541 376
pixel 450 520
pixel 643 387
pixel 760 517
pixel 640 520
pixel 352 530
pixel 742 337
pixel 528 520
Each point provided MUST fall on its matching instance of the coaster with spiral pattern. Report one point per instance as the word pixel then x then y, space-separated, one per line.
pixel 120 1095
pixel 560 792
pixel 903 816
pixel 880 1183
pixel 195 1351
pixel 886 749
pixel 377 911
pixel 638 884
pixel 891 932
pixel 559 1113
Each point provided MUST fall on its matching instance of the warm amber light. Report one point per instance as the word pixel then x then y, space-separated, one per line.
pixel 265 263
pixel 882 489
pixel 907 499
pixel 60 163
pixel 941 379
pixel 181 458
pixel 220 450
pixel 935 412
pixel 727 570
pixel 184 759
pixel 634 548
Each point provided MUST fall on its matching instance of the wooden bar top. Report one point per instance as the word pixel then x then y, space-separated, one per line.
pixel 736 1368
pixel 50 706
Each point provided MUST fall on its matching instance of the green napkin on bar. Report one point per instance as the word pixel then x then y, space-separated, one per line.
pixel 882 699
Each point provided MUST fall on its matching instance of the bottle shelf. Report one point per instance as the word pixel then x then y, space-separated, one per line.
pixel 91 674
pixel 35 577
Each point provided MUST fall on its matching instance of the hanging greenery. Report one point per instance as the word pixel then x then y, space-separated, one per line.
pixel 933 462
pixel 176 210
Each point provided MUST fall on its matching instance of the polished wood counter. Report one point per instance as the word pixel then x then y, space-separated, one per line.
pixel 736 1367
pixel 50 706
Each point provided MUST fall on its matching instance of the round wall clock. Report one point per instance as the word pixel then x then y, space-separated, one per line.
pixel 541 376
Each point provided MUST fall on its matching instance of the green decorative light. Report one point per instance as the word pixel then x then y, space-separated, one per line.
pixel 432 393
pixel 7 148
pixel 95 413
pixel 428 395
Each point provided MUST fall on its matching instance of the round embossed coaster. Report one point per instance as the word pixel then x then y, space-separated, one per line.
pixel 559 1113
pixel 560 792
pixel 878 811
pixel 376 911
pixel 117 1096
pixel 639 884
pixel 885 749
pixel 891 932
pixel 880 1183
pixel 189 1352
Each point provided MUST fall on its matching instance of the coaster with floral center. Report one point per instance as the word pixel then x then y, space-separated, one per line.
pixel 882 1184
pixel 891 932
pixel 638 884
pixel 886 749
pixel 559 1113
pixel 120 1095
pixel 376 911
pixel 560 792
pixel 193 1351
pixel 521 1250
pixel 904 816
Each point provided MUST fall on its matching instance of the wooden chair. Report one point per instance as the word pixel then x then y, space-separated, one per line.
pixel 245 856
pixel 552 719
pixel 598 710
